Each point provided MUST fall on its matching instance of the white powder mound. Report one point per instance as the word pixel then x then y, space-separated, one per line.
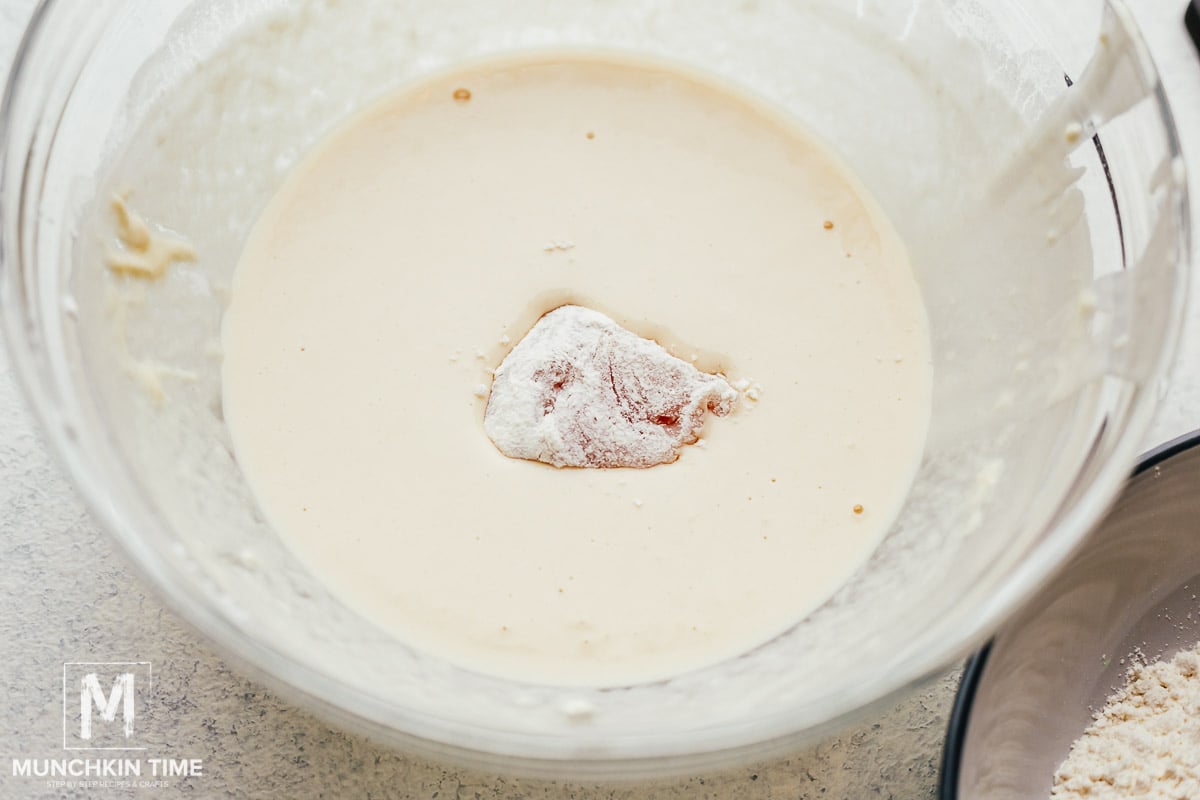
pixel 1145 743
pixel 581 391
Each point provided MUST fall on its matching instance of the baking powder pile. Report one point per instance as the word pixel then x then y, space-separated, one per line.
pixel 581 391
pixel 1145 743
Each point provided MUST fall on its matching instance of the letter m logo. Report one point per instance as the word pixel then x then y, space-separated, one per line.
pixel 91 694
pixel 95 695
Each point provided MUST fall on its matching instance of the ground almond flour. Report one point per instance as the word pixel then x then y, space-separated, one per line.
pixel 1145 743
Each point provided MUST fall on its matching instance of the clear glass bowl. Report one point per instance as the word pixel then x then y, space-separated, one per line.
pixel 1049 344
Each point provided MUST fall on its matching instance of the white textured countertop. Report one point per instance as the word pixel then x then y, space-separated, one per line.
pixel 66 595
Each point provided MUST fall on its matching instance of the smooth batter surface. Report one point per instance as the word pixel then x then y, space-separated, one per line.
pixel 416 245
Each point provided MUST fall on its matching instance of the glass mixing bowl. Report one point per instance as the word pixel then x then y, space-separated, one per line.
pixel 1049 343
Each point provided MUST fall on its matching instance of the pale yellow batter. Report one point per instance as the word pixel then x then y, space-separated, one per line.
pixel 407 255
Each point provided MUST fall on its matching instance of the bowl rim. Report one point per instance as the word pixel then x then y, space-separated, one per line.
pixel 975 667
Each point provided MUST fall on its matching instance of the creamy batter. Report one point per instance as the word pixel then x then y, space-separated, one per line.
pixel 416 245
